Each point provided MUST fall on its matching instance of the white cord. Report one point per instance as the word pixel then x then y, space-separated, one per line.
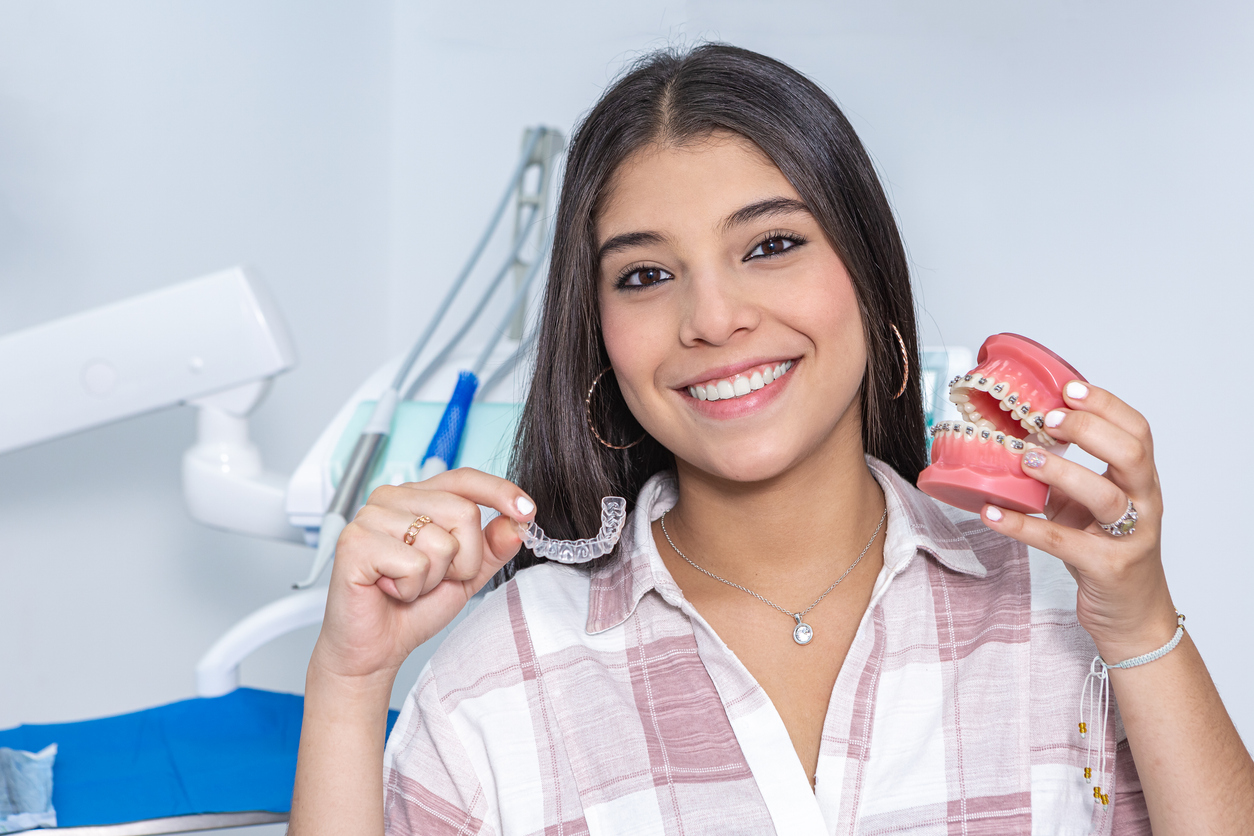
pixel 1096 691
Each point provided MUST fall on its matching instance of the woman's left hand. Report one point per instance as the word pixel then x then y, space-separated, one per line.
pixel 1123 600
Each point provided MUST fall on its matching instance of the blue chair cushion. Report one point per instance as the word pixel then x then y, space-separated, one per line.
pixel 228 754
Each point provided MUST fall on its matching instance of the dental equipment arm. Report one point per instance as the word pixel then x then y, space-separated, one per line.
pixel 214 342
pixel 377 428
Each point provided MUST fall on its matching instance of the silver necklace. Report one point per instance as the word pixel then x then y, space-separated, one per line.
pixel 803 633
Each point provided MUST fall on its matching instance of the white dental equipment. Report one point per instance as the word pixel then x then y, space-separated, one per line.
pixel 541 147
pixel 214 342
pixel 613 515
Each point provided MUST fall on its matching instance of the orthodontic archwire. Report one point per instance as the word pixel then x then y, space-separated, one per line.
pixel 379 425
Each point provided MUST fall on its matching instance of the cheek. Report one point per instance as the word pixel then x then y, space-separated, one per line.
pixel 632 342
pixel 832 314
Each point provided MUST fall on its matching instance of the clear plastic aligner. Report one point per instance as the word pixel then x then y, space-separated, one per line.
pixel 613 515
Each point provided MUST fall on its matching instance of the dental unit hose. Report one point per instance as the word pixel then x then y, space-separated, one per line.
pixel 447 441
pixel 370 442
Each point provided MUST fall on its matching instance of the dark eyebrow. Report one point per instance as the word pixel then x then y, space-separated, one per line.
pixel 625 242
pixel 763 209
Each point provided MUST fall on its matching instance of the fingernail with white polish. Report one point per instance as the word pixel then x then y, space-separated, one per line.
pixel 1033 458
pixel 1054 417
pixel 993 513
pixel 1076 390
pixel 524 505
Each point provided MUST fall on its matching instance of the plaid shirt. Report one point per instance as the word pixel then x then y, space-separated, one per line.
pixel 601 702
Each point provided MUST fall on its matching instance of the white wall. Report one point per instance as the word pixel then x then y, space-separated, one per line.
pixel 1075 171
pixel 143 143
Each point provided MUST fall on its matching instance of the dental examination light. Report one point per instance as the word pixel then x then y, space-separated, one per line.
pixel 213 342
pixel 540 146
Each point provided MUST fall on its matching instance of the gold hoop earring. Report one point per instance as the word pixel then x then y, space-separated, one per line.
pixel 905 362
pixel 587 405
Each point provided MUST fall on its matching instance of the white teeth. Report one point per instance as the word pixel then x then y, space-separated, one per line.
pixel 985 433
pixel 740 386
pixel 984 422
pixel 959 397
pixel 983 383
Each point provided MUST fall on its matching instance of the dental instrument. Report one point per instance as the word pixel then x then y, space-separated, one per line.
pixel 376 431
pixel 613 515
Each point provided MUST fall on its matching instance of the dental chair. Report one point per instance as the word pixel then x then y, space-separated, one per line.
pixel 228 757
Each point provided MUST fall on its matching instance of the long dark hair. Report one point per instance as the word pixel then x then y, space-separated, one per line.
pixel 671 97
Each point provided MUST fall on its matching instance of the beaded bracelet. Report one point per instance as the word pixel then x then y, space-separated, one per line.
pixel 1097 691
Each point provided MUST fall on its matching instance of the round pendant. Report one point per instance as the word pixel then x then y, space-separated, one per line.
pixel 802 633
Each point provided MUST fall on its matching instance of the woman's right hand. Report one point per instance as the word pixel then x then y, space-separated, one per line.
pixel 387 598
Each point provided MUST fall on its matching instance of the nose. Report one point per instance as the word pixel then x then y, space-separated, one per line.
pixel 717 307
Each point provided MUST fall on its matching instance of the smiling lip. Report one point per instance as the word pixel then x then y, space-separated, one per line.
pixel 747 394
pixel 730 371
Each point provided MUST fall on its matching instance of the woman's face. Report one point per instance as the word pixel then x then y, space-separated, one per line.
pixel 713 274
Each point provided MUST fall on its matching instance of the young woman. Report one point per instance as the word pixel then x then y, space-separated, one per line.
pixel 790 637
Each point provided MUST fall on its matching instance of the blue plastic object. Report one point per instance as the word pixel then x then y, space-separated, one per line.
pixel 230 754
pixel 447 441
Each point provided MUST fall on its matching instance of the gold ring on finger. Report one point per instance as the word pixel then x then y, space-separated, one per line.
pixel 414 527
pixel 1122 526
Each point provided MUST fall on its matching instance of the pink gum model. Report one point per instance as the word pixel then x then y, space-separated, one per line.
pixel 1003 401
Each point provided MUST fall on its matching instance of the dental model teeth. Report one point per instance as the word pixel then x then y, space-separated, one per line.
pixel 739 385
pixel 968 431
pixel 1024 380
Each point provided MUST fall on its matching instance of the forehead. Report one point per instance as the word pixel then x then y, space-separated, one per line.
pixel 699 181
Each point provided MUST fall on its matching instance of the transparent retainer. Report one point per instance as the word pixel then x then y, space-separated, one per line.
pixel 613 515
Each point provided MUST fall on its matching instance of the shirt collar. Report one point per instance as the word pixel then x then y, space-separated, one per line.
pixel 915 523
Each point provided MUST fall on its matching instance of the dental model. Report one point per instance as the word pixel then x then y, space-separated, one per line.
pixel 1003 401
pixel 739 385
pixel 613 514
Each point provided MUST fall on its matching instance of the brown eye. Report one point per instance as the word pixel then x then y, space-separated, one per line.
pixel 774 245
pixel 643 277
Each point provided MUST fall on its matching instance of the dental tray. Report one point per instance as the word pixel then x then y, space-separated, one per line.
pixel 486 444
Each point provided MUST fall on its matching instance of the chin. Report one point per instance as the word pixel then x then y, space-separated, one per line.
pixel 760 466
